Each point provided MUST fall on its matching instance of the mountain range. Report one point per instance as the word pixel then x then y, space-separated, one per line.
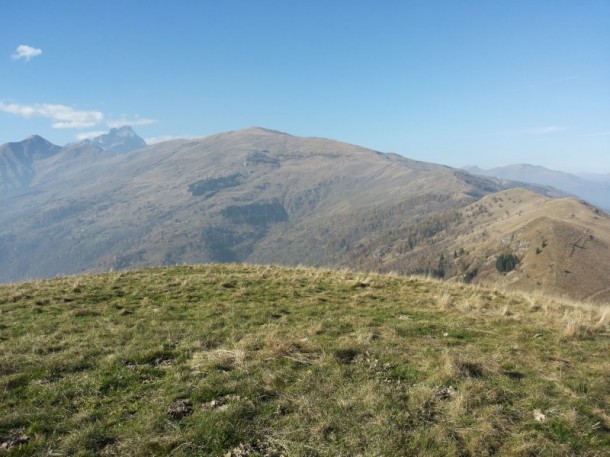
pixel 119 141
pixel 17 162
pixel 593 188
pixel 23 162
pixel 262 196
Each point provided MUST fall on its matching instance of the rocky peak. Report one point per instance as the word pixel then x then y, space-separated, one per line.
pixel 119 140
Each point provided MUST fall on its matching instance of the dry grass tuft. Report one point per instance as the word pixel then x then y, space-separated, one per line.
pixel 506 312
pixel 445 300
pixel 455 367
pixel 603 323
pixel 317 329
pixel 221 359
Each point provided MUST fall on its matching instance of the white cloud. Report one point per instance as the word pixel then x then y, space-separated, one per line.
pixel 87 135
pixel 115 123
pixel 26 52
pixel 64 117
pixel 159 139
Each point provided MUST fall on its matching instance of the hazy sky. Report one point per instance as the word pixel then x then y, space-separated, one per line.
pixel 455 82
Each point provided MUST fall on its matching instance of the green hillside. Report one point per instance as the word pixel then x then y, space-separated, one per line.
pixel 232 360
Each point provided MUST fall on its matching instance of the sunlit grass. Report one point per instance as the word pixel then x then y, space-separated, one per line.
pixel 261 360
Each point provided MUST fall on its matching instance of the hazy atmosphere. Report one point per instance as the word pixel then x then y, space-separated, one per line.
pixel 304 229
pixel 459 83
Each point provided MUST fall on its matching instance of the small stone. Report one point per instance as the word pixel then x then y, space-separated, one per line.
pixel 447 392
pixel 222 403
pixel 213 404
pixel 16 438
pixel 180 408
pixel 539 415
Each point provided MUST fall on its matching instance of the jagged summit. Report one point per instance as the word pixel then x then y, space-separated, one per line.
pixel 31 148
pixel 17 162
pixel 23 162
pixel 34 139
pixel 119 140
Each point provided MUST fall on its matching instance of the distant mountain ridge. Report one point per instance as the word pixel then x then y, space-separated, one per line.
pixel 596 177
pixel 267 197
pixel 594 189
pixel 561 246
pixel 119 140
pixel 17 162
pixel 22 163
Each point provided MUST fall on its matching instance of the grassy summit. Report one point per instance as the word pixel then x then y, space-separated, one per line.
pixel 249 360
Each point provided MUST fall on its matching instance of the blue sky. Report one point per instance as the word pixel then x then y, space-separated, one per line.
pixel 454 82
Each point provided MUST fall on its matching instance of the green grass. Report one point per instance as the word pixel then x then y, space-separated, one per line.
pixel 297 362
